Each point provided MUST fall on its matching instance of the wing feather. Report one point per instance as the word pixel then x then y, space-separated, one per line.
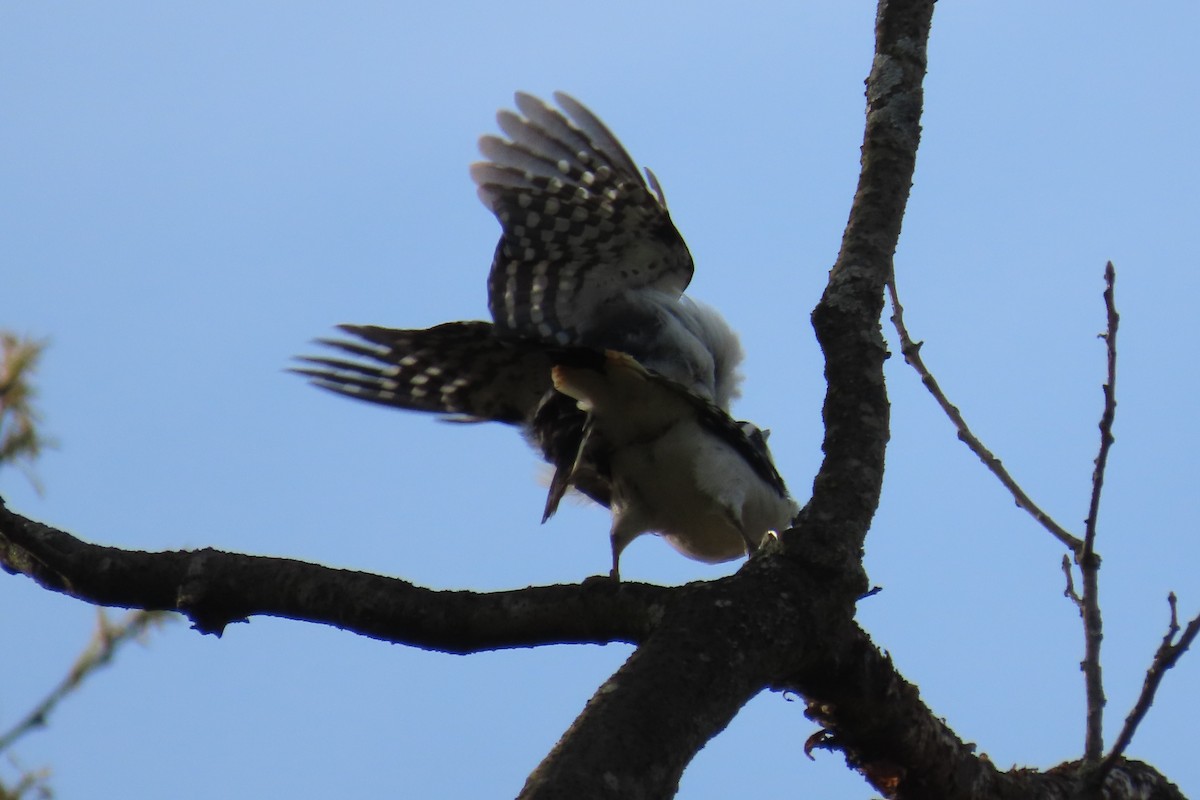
pixel 582 229
pixel 458 368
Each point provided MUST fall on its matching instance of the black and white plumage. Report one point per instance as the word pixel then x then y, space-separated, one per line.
pixel 588 262
pixel 462 370
pixel 588 255
pixel 679 466
pixel 466 372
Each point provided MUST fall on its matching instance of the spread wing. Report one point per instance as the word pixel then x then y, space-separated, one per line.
pixel 464 371
pixel 458 368
pixel 581 227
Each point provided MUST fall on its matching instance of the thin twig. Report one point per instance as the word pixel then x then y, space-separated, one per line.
pixel 98 653
pixel 1167 655
pixel 1089 563
pixel 912 354
pixel 1070 592
pixel 31 783
pixel 1110 407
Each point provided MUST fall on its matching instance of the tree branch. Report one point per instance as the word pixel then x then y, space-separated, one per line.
pixel 689 678
pixel 214 589
pixel 907 753
pixel 846 490
pixel 1168 653
pixel 912 355
pixel 1089 562
pixel 705 649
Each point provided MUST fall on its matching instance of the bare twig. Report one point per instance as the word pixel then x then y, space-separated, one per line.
pixel 30 783
pixel 98 653
pixel 1110 408
pixel 1070 592
pixel 1089 563
pixel 1167 655
pixel 912 355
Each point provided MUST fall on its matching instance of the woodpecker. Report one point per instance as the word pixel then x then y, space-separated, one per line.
pixel 589 322
pixel 589 255
pixel 679 466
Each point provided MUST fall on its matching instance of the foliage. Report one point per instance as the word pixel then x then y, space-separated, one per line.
pixel 21 440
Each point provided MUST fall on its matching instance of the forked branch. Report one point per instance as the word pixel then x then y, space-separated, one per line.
pixel 1167 655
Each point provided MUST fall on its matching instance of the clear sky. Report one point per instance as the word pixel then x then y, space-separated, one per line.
pixel 190 192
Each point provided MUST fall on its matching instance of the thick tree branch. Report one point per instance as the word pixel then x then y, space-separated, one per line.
pixel 705 650
pixel 847 487
pixel 909 754
pixel 689 678
pixel 214 588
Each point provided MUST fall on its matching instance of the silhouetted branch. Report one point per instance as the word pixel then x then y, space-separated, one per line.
pixel 847 487
pixel 1089 562
pixel 214 589
pixel 912 355
pixel 1168 653
pixel 705 649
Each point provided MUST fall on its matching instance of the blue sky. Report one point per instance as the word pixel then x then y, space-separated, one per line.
pixel 189 193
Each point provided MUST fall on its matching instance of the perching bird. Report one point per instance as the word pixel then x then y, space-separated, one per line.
pixel 588 261
pixel 678 465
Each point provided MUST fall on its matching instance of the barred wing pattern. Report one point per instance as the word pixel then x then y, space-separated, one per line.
pixel 465 372
pixel 591 338
pixel 460 369
pixel 581 226
pixel 588 256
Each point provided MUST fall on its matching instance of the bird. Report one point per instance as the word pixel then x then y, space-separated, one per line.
pixel 585 290
pixel 588 253
pixel 679 466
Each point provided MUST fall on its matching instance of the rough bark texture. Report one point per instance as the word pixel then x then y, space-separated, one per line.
pixel 785 621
